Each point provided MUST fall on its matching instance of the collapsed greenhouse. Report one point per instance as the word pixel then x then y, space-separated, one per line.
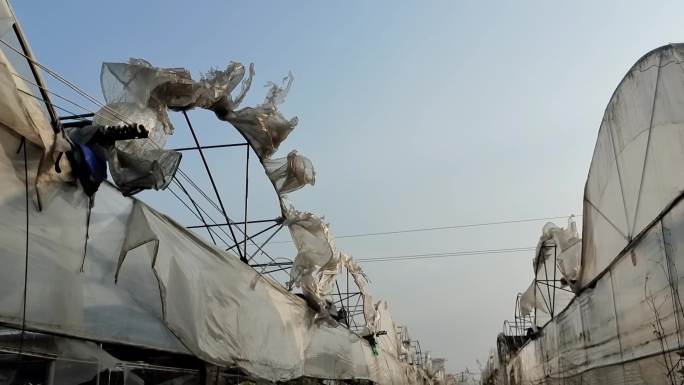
pixel 606 309
pixel 98 287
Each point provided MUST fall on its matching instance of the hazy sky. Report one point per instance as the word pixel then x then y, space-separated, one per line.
pixel 415 114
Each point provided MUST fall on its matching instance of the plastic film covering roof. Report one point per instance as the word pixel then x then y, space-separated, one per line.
pixel 636 167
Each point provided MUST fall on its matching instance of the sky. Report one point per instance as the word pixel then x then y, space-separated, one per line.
pixel 415 114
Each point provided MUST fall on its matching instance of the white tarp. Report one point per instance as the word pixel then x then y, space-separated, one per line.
pixel 315 249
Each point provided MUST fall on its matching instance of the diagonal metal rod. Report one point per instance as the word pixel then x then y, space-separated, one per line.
pixel 340 295
pixel 259 248
pixel 75 117
pixel 212 146
pixel 212 219
pixel 252 236
pixel 213 184
pixel 235 223
pixel 272 264
pixel 342 299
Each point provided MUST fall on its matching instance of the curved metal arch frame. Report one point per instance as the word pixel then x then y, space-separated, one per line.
pixel 348 297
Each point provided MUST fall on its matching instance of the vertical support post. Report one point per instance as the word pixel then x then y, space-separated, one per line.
pixel 51 373
pixel 549 306
pixel 536 268
pixel 553 300
pixel 246 198
pixel 213 185
pixel 347 294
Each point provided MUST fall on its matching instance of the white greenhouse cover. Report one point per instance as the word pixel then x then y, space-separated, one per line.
pixel 636 170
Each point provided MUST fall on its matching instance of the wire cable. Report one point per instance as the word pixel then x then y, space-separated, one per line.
pixel 463 253
pixel 461 226
pixel 66 82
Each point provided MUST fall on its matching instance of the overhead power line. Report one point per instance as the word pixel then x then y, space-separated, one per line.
pixel 461 226
pixel 464 253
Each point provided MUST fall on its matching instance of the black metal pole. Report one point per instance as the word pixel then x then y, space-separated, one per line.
pixel 246 198
pixel 212 146
pixel 553 304
pixel 347 292
pixel 549 305
pixel 251 236
pixel 39 80
pixel 213 185
pixel 259 248
pixel 235 223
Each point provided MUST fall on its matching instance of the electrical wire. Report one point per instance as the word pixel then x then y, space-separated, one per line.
pixel 463 253
pixel 461 226
pixel 66 82
pixel 53 94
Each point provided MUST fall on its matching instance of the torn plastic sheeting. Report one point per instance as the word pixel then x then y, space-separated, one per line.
pixel 203 291
pixel 329 272
pixel 132 84
pixel 563 246
pixel 226 313
pixel 134 172
pixel 554 240
pixel 290 173
pixel 212 92
pixel 569 263
pixel 129 89
pixel 264 126
pixel 370 312
pixel 158 88
pixel 529 300
pixel 315 248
